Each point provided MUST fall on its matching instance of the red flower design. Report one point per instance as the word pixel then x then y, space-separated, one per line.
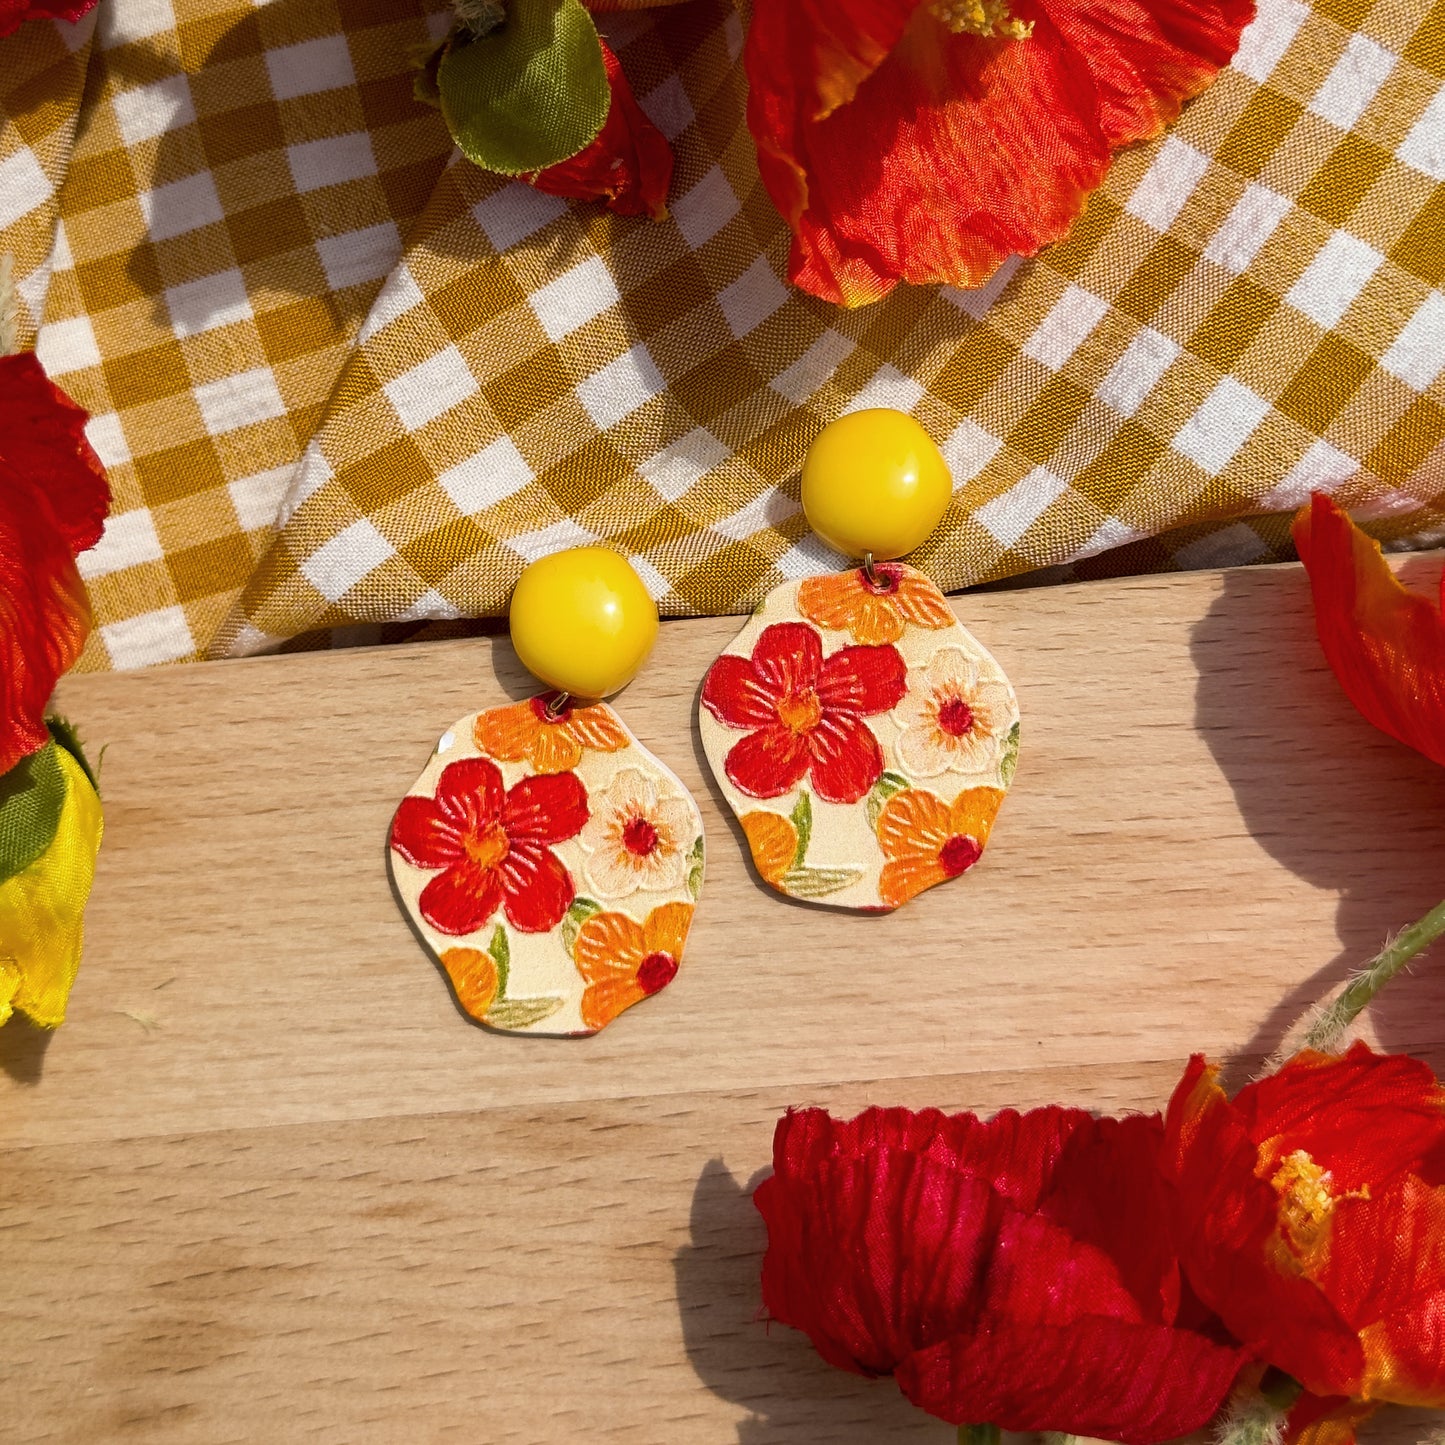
pixel 53 501
pixel 492 847
pixel 628 164
pixel 1386 645
pixel 1311 1208
pixel 926 140
pixel 806 713
pixel 1017 1272
pixel 14 13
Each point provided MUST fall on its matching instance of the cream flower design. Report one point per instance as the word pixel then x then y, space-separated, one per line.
pixel 955 718
pixel 636 839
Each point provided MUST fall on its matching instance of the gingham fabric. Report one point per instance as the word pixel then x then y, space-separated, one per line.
pixel 1250 308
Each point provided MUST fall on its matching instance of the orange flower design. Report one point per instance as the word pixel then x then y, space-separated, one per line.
pixel 624 962
pixel 928 841
pixel 524 733
pixel 474 977
pixel 774 844
pixel 873 612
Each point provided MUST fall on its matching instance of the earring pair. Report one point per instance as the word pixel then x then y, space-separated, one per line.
pixel 861 735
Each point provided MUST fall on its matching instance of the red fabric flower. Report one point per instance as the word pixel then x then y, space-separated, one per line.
pixel 14 13
pixel 53 501
pixel 492 847
pixel 806 714
pixel 1311 1210
pixel 918 140
pixel 628 165
pixel 1015 1272
pixel 1385 645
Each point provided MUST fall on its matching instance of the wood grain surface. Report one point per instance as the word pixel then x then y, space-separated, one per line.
pixel 268 1183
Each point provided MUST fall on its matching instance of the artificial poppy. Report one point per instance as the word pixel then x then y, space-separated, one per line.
pixel 492 846
pixel 955 718
pixel 874 609
pixel 624 962
pixel 14 13
pixel 637 837
pixel 926 841
pixel 927 140
pixel 53 501
pixel 526 732
pixel 628 165
pixel 1311 1214
pixel 1016 1271
pixel 804 713
pixel 1386 645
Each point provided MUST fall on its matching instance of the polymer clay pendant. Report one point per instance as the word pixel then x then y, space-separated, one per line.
pixel 863 737
pixel 548 859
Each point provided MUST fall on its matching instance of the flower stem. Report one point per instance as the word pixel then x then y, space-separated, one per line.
pixel 1328 1029
pixel 978 1435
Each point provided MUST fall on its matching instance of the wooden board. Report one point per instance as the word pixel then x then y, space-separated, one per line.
pixel 268 1184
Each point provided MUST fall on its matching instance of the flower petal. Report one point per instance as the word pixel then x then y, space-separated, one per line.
pixel 866 680
pixel 788 657
pixel 846 758
pixel 1385 645
pixel 736 696
pixel 1095 1376
pixel 460 899
pixel 773 841
pixel 549 808
pixel 474 978
pixel 769 762
pixel 423 836
pixel 537 887
pixel 469 794
pixel 628 164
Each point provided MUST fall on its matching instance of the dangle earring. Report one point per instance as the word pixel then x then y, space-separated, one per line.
pixel 545 856
pixel 864 739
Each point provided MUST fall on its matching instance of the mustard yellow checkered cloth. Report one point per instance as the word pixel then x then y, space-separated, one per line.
pixel 340 377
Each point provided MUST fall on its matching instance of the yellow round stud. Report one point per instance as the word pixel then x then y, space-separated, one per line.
pixel 582 621
pixel 873 481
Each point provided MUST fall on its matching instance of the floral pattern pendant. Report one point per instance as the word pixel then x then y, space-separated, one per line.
pixel 551 863
pixel 862 736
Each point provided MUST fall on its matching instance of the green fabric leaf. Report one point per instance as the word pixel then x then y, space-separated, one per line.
pixel 501 952
pixel 802 821
pixel 531 93
pixel 65 734
pixel 32 794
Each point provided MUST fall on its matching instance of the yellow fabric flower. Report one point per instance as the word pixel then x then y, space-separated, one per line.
pixel 42 908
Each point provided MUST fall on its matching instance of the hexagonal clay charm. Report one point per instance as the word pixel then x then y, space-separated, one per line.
pixel 551 863
pixel 864 739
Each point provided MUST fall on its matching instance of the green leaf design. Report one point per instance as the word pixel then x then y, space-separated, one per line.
pixel 887 785
pixel 521 1013
pixel 529 94
pixel 32 794
pixel 581 910
pixel 694 869
pixel 1010 756
pixel 802 820
pixel 819 882
pixel 501 952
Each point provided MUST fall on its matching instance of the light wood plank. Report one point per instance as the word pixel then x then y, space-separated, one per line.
pixel 268 1183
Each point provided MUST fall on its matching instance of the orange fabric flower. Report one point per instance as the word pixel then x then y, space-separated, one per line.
pixel 624 962
pixel 474 977
pixel 922 141
pixel 928 841
pixel 1311 1215
pixel 774 844
pixel 524 733
pixel 53 501
pixel 1385 645
pixel 874 612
